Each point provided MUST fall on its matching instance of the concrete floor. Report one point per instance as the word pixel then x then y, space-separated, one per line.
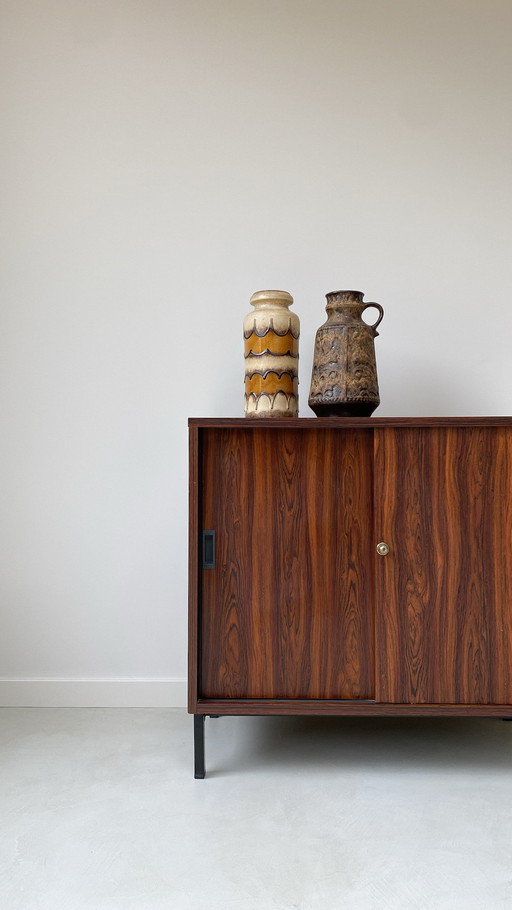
pixel 99 810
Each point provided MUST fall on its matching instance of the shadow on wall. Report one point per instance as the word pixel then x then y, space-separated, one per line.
pixel 409 387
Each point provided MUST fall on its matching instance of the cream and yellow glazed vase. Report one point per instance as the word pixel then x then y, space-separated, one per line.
pixel 271 336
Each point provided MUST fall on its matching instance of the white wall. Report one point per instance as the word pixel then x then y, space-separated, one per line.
pixel 160 162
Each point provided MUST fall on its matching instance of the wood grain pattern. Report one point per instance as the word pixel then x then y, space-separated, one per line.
pixel 443 500
pixel 287 613
pixel 297 637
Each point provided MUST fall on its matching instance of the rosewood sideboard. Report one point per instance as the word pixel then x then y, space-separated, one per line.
pixel 350 566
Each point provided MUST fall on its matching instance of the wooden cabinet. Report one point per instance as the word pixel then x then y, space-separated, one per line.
pixel 292 608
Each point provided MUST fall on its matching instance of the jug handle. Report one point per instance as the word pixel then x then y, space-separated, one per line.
pixel 381 312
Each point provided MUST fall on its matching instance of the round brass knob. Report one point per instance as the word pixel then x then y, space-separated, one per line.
pixel 382 549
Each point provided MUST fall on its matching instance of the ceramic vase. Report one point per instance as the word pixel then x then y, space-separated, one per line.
pixel 271 341
pixel 344 379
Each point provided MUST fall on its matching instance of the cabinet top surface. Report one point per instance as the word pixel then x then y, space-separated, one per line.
pixel 303 423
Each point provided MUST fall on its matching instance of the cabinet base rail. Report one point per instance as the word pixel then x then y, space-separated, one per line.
pixel 343 708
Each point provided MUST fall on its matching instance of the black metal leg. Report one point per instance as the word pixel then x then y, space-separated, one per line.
pixel 199 765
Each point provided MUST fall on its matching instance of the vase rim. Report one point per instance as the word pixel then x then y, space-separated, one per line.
pixel 278 297
pixel 337 293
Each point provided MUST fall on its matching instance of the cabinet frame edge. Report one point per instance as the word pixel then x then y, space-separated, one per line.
pixel 193 567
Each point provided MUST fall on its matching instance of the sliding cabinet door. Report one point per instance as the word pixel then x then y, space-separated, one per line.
pixel 443 505
pixel 286 602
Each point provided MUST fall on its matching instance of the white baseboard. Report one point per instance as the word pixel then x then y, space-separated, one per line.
pixel 130 692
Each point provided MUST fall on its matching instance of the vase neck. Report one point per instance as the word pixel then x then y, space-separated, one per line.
pixel 345 303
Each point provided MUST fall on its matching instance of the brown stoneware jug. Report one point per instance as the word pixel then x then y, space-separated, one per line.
pixel 344 380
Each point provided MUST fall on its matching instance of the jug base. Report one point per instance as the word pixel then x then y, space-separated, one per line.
pixel 345 409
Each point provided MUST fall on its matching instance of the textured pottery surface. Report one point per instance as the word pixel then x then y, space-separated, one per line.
pixel 344 379
pixel 271 341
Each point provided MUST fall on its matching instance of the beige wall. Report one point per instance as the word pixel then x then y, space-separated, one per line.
pixel 161 161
